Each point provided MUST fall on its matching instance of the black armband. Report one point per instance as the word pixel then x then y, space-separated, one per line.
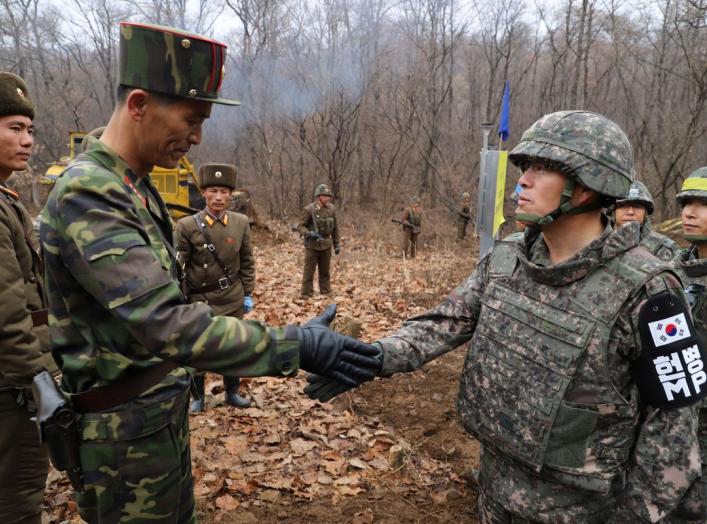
pixel 670 372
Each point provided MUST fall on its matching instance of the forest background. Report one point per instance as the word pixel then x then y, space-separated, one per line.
pixel 383 99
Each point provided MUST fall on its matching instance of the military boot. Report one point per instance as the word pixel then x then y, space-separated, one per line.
pixel 197 403
pixel 231 384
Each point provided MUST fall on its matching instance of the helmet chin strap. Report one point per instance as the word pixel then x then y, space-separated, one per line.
pixel 565 208
pixel 696 239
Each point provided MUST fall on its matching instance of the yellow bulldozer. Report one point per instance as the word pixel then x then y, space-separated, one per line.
pixel 178 187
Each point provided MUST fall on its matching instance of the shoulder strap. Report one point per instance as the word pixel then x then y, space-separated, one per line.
pixel 503 259
pixel 212 248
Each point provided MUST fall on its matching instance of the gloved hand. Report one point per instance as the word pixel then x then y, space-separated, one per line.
pixel 247 304
pixel 324 389
pixel 313 235
pixel 336 356
pixel 336 250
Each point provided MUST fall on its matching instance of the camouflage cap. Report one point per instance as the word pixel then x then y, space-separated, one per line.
pixel 14 96
pixel 172 62
pixel 638 194
pixel 415 200
pixel 694 186
pixel 322 189
pixel 221 175
pixel 583 145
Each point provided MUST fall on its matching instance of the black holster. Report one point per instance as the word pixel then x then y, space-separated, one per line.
pixel 58 428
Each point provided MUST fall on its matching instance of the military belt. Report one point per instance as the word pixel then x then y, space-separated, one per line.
pixel 40 317
pixel 221 284
pixel 132 386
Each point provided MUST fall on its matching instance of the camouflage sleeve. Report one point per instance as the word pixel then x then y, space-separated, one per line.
pixel 103 245
pixel 305 219
pixel 246 271
pixel 666 457
pixel 445 327
pixel 20 351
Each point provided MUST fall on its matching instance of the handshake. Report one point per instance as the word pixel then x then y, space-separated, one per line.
pixel 338 363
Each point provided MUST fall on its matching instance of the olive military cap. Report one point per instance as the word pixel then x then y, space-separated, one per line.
pixel 415 200
pixel 172 62
pixel 14 96
pixel 222 175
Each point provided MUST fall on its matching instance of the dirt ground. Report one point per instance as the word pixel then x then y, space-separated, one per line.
pixel 405 458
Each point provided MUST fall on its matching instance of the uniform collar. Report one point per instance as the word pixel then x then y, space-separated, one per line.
pixel 10 192
pixel 111 160
pixel 691 264
pixel 211 219
pixel 536 257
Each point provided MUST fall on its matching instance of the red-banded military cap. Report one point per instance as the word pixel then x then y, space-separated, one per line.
pixel 171 61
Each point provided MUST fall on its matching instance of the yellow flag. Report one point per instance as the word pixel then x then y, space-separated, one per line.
pixel 498 217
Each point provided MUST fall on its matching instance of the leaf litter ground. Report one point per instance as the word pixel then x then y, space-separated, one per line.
pixel 390 452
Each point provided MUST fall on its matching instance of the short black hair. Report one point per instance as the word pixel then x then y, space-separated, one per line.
pixel 123 91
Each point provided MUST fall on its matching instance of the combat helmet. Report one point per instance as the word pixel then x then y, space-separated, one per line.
pixel 638 194
pixel 415 200
pixel 588 148
pixel 694 186
pixel 322 189
pixel 466 195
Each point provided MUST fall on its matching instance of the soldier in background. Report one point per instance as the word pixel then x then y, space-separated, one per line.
pixel 24 336
pixel 121 329
pixel 215 248
pixel 320 230
pixel 412 224
pixel 563 380
pixel 464 216
pixel 638 207
pixel 691 264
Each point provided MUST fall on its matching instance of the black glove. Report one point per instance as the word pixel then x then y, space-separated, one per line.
pixel 324 389
pixel 313 235
pixel 333 355
pixel 336 250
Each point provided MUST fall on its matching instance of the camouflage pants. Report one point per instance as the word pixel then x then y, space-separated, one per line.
pixel 23 464
pixel 314 259
pixel 509 494
pixel 134 477
pixel 410 241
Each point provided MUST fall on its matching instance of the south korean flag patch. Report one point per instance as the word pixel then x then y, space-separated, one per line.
pixel 671 370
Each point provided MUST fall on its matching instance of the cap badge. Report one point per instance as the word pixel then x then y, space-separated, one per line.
pixel 20 92
pixel 218 174
pixel 186 43
pixel 192 92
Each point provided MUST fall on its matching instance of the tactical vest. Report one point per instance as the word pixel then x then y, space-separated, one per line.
pixel 531 341
pixel 323 219
pixel 414 218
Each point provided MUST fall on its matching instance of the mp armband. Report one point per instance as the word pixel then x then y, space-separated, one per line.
pixel 670 372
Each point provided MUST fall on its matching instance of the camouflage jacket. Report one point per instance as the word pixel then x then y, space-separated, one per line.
pixel 115 304
pixel 584 358
pixel 660 245
pixel 321 219
pixel 21 344
pixel 231 238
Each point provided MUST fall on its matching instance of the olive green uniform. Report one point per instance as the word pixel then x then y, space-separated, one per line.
pixel 23 460
pixel 205 279
pixel 317 253
pixel 412 231
pixel 463 218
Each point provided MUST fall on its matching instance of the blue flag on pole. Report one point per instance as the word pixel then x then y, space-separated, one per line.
pixel 505 120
